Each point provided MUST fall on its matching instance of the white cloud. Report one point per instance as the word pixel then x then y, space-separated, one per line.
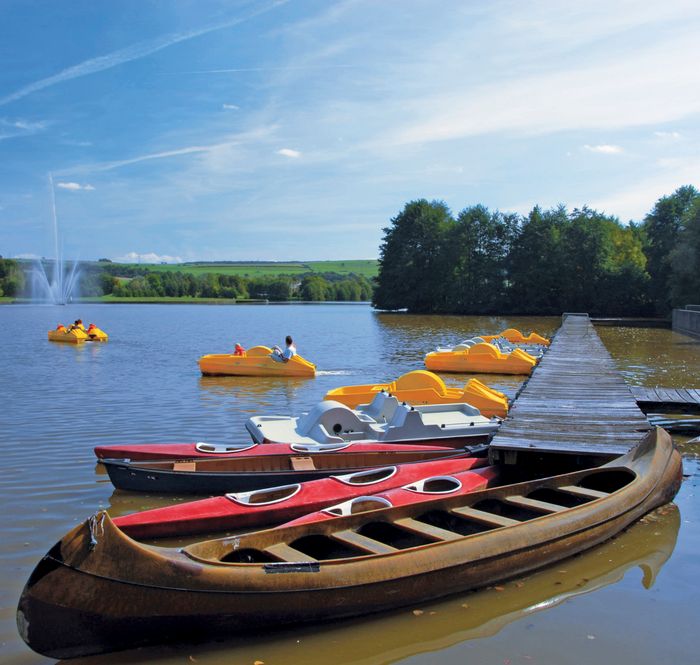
pixel 11 128
pixel 150 257
pixel 631 90
pixel 668 135
pixel 231 107
pixel 288 152
pixel 635 201
pixel 133 52
pixel 604 149
pixel 75 186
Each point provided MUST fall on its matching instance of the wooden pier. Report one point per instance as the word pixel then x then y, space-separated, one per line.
pixel 575 400
pixel 667 400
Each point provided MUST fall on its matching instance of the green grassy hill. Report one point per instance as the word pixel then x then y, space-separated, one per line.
pixel 366 267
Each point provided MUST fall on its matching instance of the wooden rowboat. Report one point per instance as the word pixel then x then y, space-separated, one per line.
pixel 238 474
pixel 98 590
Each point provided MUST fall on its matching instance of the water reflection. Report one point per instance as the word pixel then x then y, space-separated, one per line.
pixel 402 634
pixel 251 392
pixel 676 357
pixel 406 338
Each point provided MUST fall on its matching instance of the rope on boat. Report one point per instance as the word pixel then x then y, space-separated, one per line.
pixel 93 525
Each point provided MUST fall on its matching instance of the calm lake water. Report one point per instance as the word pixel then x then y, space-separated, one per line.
pixel 635 599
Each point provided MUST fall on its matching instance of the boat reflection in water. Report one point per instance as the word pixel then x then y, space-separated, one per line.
pixel 394 636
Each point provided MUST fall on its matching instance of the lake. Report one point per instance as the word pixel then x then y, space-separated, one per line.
pixel 635 599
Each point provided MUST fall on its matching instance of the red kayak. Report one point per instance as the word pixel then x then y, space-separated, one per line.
pixel 174 451
pixel 277 504
pixel 428 489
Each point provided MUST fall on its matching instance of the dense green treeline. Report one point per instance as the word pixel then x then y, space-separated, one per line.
pixel 547 262
pixel 12 281
pixel 144 283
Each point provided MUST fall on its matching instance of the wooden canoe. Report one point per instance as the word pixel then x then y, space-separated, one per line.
pixel 97 590
pixel 238 474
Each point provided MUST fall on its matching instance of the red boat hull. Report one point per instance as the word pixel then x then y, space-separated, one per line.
pixel 155 451
pixel 223 513
pixel 469 480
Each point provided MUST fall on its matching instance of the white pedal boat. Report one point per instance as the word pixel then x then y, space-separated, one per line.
pixel 384 420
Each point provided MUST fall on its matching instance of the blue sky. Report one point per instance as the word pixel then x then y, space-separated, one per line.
pixel 247 130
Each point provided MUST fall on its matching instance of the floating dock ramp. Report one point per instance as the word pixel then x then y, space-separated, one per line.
pixel 575 400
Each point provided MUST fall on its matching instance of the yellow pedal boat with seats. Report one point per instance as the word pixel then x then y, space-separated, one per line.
pixel 514 336
pixel 77 334
pixel 481 358
pixel 94 334
pixel 256 361
pixel 63 334
pixel 422 387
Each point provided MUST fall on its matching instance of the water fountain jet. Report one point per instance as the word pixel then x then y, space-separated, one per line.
pixel 60 288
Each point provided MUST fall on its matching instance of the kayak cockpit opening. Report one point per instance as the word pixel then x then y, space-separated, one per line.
pixel 368 477
pixel 360 504
pixel 265 497
pixel 221 448
pixel 435 485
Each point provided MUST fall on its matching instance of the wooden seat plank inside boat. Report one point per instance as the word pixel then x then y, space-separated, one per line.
pixel 583 492
pixel 483 516
pixel 302 463
pixel 428 530
pixel 184 466
pixel 361 542
pixel 286 553
pixel 534 504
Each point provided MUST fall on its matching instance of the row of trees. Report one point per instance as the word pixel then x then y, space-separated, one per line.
pixel 328 286
pixel 547 262
pixel 12 281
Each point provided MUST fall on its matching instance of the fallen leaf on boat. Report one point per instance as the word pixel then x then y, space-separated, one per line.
pixel 499 588
pixel 417 612
pixel 193 659
pixel 465 606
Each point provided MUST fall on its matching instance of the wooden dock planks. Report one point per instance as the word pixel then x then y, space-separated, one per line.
pixel 575 400
pixel 667 399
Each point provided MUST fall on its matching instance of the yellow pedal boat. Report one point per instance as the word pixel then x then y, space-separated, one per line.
pixel 481 358
pixel 94 334
pixel 257 361
pixel 62 334
pixel 76 335
pixel 514 336
pixel 422 387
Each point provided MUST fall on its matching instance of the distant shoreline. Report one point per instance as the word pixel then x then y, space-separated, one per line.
pixel 107 300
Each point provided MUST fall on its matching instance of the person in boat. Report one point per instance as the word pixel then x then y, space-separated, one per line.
pixel 77 325
pixel 238 350
pixel 90 329
pixel 289 352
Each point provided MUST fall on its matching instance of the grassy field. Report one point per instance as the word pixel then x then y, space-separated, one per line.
pixel 366 267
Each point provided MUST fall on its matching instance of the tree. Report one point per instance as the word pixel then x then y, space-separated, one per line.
pixel 412 271
pixel 476 251
pixel 685 260
pixel 662 227
pixel 534 263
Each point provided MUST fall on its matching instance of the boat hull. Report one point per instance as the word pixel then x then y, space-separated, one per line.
pixel 257 362
pixel 481 358
pixel 281 504
pixel 81 601
pixel 209 478
pixel 193 451
pixel 422 387
pixel 75 336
